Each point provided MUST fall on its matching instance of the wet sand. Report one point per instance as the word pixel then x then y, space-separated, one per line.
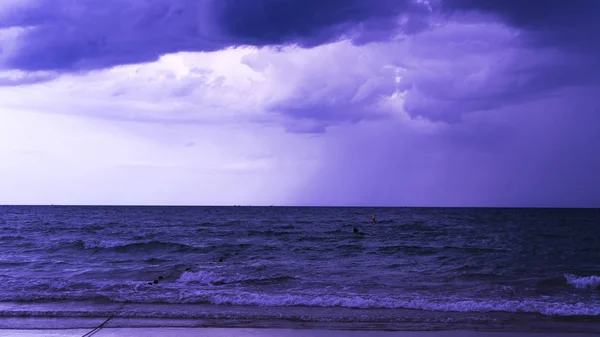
pixel 240 332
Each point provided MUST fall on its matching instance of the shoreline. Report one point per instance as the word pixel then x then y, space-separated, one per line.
pixel 17 325
pixel 269 332
pixel 88 315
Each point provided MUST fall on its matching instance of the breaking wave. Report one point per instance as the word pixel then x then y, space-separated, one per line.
pixel 583 282
pixel 537 306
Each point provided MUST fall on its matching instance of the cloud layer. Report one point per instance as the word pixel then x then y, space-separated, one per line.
pixel 441 102
pixel 69 36
pixel 457 61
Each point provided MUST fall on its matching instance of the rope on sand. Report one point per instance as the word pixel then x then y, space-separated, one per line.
pixel 96 329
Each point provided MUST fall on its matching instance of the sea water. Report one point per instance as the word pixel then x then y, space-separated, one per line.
pixel 415 268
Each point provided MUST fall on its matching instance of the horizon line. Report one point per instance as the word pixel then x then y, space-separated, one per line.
pixel 298 206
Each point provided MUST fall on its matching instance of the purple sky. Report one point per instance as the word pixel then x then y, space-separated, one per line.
pixel 300 102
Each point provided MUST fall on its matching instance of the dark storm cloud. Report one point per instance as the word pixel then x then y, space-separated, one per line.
pixel 571 25
pixel 89 34
pixel 313 22
pixel 555 46
pixel 533 14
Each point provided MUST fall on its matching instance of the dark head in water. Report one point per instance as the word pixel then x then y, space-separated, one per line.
pixel 355 230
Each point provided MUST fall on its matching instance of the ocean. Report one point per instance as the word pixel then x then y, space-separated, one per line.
pixel 302 267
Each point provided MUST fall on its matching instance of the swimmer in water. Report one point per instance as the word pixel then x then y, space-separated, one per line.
pixel 373 218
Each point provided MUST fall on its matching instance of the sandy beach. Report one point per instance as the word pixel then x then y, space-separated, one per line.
pixel 226 332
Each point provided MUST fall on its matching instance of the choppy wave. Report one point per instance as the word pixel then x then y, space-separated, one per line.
pixel 211 278
pixel 583 282
pixel 465 261
pixel 190 288
pixel 373 302
pixel 117 244
pixel 538 306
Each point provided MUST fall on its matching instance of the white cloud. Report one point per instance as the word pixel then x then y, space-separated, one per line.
pixel 334 83
pixel 200 87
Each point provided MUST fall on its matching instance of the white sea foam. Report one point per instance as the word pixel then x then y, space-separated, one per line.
pixel 206 277
pixel 139 292
pixel 117 243
pixel 110 243
pixel 583 282
pixel 528 306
